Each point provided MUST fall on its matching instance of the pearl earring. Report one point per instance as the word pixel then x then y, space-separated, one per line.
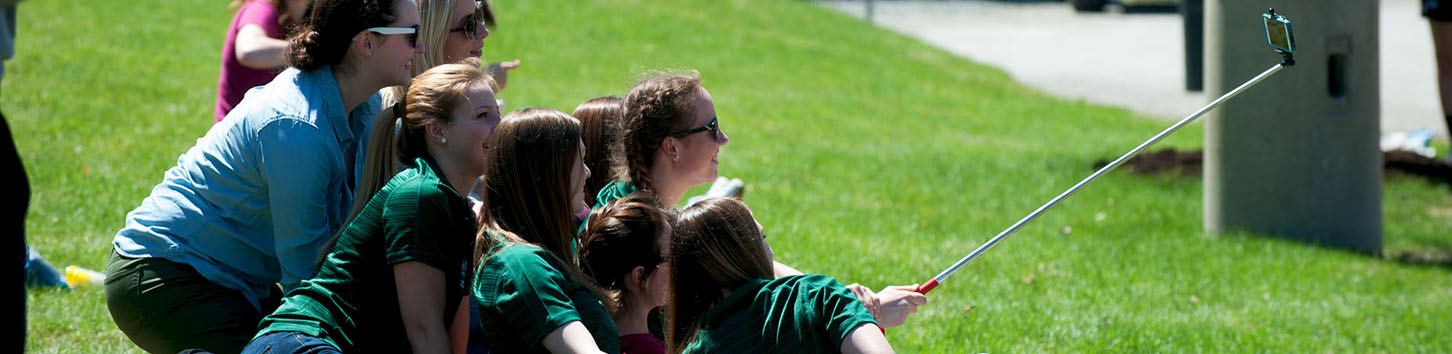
pixel 443 140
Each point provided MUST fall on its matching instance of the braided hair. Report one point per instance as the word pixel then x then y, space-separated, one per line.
pixel 654 108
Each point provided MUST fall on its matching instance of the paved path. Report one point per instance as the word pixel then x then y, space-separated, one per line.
pixel 1136 61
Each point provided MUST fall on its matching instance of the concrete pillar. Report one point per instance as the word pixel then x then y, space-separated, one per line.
pixel 1296 156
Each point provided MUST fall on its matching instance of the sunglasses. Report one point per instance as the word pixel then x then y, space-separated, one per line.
pixel 411 31
pixel 710 126
pixel 472 25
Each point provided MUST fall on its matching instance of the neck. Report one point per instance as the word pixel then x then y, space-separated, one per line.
pixel 668 191
pixel 353 88
pixel 461 180
pixel 632 318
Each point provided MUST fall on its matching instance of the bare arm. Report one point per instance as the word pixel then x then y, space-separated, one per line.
pixel 459 331
pixel 254 49
pixel 866 338
pixel 573 337
pixel 782 270
pixel 421 302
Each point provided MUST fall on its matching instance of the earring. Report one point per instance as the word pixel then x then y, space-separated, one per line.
pixel 673 155
pixel 443 140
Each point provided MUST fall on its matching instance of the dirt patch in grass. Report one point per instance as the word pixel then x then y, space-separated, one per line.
pixel 1190 164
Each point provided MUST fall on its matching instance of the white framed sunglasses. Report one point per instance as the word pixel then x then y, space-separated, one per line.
pixel 411 31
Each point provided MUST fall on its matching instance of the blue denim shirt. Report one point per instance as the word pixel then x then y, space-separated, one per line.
pixel 255 200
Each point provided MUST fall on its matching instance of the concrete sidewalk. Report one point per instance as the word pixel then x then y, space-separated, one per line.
pixel 1136 61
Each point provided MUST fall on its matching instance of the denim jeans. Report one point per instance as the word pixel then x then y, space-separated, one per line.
pixel 289 342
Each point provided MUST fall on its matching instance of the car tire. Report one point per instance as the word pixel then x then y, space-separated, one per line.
pixel 1089 5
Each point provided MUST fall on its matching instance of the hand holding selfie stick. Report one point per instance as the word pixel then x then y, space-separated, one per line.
pixel 1278 35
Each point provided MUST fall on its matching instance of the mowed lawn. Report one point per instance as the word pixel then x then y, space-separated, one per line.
pixel 869 156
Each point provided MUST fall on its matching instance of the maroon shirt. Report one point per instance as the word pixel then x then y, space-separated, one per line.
pixel 236 79
pixel 643 343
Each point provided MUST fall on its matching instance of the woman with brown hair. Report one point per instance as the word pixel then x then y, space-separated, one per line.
pixel 725 299
pixel 624 249
pixel 600 120
pixel 670 142
pixel 394 280
pixel 531 295
pixel 255 201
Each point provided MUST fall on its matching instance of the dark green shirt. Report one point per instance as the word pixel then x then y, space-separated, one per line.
pixel 796 314
pixel 352 302
pixel 523 296
pixel 616 189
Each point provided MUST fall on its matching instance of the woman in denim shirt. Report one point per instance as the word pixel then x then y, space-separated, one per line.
pixel 255 201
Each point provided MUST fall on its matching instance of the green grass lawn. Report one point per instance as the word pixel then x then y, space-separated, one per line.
pixel 869 156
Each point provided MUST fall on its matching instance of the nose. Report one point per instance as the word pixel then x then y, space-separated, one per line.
pixel 483 31
pixel 418 47
pixel 587 170
pixel 724 139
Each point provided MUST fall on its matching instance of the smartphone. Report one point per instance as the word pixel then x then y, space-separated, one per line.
pixel 1278 32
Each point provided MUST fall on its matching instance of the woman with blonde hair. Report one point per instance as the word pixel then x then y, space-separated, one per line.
pixel 452 31
pixel 394 281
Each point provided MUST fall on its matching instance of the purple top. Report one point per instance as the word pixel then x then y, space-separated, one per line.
pixel 643 343
pixel 236 79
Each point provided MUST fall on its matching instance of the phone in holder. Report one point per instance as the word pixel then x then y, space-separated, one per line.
pixel 1278 32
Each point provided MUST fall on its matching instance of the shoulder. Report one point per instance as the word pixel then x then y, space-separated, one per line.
pixel 281 99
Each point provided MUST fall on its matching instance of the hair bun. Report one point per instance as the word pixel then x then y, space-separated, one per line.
pixel 300 49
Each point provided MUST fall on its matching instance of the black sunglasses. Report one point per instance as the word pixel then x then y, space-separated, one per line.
pixel 471 25
pixel 710 126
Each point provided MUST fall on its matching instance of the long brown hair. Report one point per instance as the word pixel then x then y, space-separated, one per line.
pixel 654 108
pixel 527 188
pixel 620 236
pixel 600 120
pixel 715 246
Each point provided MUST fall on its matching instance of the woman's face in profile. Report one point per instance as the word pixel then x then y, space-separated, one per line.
pixel 464 20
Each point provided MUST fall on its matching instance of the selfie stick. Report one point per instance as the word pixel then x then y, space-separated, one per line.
pixel 1286 60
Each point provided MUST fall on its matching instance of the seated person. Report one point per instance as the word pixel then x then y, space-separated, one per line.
pixel 724 298
pixel 623 249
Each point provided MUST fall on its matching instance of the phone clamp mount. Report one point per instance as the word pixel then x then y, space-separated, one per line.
pixel 1287 52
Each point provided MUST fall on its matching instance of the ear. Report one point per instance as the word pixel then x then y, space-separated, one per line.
pixel 365 43
pixel 435 132
pixel 636 278
pixel 668 148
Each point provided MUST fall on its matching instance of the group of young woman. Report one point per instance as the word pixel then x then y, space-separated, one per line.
pixel 328 213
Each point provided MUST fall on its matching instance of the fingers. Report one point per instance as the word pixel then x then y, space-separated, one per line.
pixel 866 297
pixel 509 65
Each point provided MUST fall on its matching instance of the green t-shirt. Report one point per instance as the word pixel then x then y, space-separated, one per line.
pixel 352 302
pixel 616 189
pixel 523 296
pixel 796 314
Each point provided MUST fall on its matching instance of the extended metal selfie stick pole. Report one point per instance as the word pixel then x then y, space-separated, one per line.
pixel 931 284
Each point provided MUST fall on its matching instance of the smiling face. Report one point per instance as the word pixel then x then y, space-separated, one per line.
pixel 698 151
pixel 457 45
pixel 392 55
pixel 470 124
